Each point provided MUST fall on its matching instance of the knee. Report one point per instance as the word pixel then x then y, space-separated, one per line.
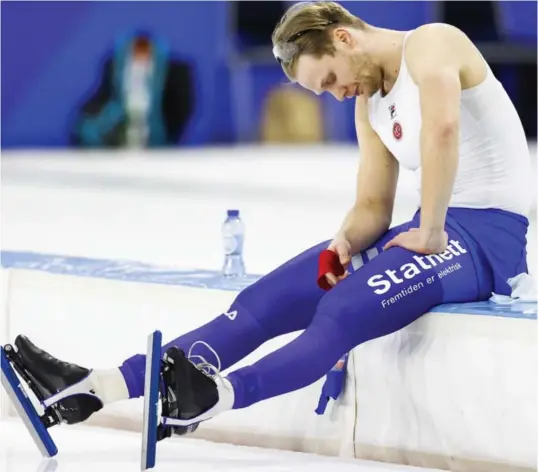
pixel 288 287
pixel 257 298
pixel 257 304
pixel 265 303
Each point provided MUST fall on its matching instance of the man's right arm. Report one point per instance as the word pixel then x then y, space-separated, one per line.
pixel 377 178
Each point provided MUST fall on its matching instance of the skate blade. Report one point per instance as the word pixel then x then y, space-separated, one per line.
pixel 167 421
pixel 31 419
pixel 151 401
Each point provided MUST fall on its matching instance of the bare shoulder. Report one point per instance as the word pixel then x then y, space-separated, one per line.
pixel 438 46
pixel 437 32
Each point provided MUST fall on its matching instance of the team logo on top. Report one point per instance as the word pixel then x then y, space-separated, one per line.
pixel 397 131
pixel 392 110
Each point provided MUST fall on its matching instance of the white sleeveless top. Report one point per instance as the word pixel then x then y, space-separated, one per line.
pixel 494 161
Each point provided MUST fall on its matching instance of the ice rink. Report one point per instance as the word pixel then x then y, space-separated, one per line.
pixel 166 222
pixel 86 449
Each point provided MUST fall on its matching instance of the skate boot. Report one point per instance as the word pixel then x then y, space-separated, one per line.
pixel 49 377
pixel 189 392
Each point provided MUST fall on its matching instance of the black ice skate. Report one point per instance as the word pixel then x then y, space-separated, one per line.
pixel 58 385
pixel 187 392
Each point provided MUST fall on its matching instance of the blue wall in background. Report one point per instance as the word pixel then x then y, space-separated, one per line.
pixel 52 53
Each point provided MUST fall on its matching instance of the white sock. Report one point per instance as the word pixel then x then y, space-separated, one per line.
pixel 109 385
pixel 226 395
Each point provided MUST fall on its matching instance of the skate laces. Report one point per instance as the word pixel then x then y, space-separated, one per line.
pixel 202 364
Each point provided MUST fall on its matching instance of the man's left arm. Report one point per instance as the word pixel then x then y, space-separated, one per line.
pixel 435 65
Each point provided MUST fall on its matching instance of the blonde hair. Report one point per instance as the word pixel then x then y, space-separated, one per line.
pixel 306 29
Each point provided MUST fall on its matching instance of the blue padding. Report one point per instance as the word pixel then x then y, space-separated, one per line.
pixel 138 272
pixel 123 270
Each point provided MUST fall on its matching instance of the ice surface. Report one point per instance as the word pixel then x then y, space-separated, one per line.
pixel 85 449
pixel 182 231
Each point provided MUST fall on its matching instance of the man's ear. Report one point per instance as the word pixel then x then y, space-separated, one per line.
pixel 342 36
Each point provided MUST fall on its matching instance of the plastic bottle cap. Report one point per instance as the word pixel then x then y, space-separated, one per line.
pixel 233 213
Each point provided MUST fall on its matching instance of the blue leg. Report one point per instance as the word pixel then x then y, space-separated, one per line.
pixel 24 407
pixel 151 400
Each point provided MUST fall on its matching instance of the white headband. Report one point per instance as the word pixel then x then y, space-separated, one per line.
pixel 285 52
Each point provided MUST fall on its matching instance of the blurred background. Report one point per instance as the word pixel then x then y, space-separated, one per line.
pixel 66 71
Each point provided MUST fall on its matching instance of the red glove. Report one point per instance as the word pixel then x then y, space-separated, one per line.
pixel 329 262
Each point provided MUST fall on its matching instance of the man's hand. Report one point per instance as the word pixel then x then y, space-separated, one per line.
pixel 416 241
pixel 341 247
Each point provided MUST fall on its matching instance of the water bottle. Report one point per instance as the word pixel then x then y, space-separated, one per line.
pixel 233 233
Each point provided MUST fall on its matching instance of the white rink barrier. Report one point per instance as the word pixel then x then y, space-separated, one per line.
pixel 455 390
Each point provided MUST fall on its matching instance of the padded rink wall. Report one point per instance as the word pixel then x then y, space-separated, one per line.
pixel 455 390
